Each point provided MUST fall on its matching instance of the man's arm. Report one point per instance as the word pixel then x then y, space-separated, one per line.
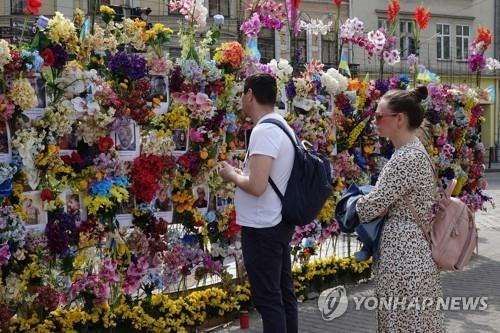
pixel 255 183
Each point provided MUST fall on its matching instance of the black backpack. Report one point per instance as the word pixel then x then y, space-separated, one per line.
pixel 309 186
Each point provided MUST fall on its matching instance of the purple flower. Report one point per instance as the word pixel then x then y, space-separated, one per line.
pixel 218 19
pixel 129 66
pixel 61 233
pixel 382 85
pixel 290 89
pixel 4 255
pixel 60 56
pixel 476 62
pixel 176 80
pixel 251 27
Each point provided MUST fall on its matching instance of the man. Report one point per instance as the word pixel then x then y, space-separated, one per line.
pixel 265 236
pixel 201 201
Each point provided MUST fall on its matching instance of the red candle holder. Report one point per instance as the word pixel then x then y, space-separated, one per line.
pixel 244 320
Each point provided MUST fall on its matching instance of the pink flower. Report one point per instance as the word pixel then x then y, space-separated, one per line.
pixel 195 135
pixel 4 255
pixel 108 271
pixel 251 27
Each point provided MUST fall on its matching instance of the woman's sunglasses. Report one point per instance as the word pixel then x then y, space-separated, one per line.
pixel 379 116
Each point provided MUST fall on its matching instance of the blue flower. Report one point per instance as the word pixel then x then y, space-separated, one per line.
pixel 307 243
pixel 42 22
pixel 210 216
pixel 189 239
pixel 218 19
pixel 121 181
pixel 102 188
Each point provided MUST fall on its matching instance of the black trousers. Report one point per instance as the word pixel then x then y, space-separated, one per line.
pixel 266 253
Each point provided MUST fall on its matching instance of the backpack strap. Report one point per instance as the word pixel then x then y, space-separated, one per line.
pixel 295 146
pixel 410 205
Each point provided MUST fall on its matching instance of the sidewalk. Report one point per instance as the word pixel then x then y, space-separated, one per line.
pixel 481 278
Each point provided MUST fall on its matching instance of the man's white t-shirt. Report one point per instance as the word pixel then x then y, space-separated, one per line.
pixel 270 140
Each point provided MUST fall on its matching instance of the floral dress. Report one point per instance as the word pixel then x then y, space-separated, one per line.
pixel 405 269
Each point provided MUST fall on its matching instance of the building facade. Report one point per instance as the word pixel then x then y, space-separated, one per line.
pixel 444 44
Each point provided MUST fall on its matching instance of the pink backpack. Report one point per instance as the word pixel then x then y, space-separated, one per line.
pixel 452 233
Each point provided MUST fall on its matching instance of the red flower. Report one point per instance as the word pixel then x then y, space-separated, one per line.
pixel 105 144
pixel 484 35
pixel 337 3
pixel 422 17
pixel 46 195
pixel 296 3
pixel 393 10
pixel 33 7
pixel 48 57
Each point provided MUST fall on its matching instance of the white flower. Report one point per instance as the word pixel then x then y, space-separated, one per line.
pixel 351 27
pixel 391 57
pixel 281 69
pixel 377 38
pixel 333 81
pixel 492 64
pixel 5 57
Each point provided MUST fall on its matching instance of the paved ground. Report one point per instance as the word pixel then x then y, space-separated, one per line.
pixel 481 278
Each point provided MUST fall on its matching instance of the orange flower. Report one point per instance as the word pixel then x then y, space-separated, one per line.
pixel 354 84
pixel 393 10
pixel 484 35
pixel 233 54
pixel 422 17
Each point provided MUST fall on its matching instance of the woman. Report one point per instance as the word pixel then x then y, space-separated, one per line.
pixel 405 268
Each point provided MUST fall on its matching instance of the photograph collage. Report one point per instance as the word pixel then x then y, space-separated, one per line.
pixel 127 143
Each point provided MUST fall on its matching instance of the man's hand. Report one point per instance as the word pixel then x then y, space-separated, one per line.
pixel 228 172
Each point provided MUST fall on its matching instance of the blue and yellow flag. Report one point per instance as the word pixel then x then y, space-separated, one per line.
pixel 344 65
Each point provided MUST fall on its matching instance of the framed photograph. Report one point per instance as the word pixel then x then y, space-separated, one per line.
pixel 180 137
pixel 221 203
pixel 126 139
pixel 38 85
pixel 73 205
pixel 124 212
pixel 33 206
pixel 162 204
pixel 158 87
pixel 68 143
pixel 5 148
pixel 201 194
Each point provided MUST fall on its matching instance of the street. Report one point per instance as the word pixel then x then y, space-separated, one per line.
pixel 479 279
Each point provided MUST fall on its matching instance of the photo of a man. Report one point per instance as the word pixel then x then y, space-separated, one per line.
pixel 73 205
pixel 158 87
pixel 125 137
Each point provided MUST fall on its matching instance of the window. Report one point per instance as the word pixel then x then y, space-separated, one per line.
pixel 443 41
pixel 328 54
pixel 17 6
pixel 382 23
pixel 406 41
pixel 266 44
pixel 219 7
pixel 301 50
pixel 462 41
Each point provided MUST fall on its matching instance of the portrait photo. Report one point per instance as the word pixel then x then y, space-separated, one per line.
pixel 33 206
pixel 73 205
pixel 201 195
pixel 158 87
pixel 69 141
pixel 38 84
pixel 180 137
pixel 125 137
pixel 222 203
pixel 163 201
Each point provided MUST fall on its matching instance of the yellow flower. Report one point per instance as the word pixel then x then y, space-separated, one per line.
pixel 204 154
pixel 60 29
pixel 23 94
pixel 107 10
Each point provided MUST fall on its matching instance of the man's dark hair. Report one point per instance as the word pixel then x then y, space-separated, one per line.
pixel 263 88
